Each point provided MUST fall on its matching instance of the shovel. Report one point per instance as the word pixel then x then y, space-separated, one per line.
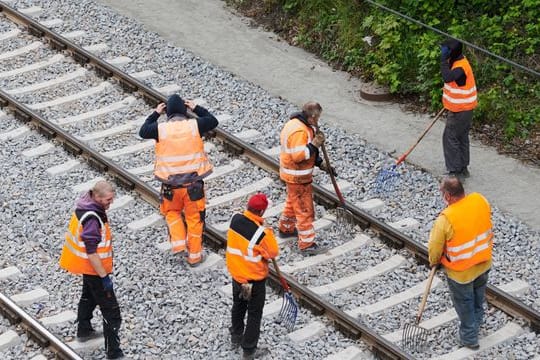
pixel 414 336
pixel 289 307
pixel 388 177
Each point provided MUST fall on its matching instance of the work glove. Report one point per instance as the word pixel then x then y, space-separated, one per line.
pixel 445 52
pixel 245 291
pixel 328 169
pixel 318 139
pixel 107 283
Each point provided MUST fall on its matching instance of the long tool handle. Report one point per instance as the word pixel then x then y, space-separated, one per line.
pixel 332 177
pixel 402 157
pixel 286 286
pixel 426 293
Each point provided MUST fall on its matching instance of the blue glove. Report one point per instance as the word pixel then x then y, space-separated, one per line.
pixel 445 52
pixel 107 283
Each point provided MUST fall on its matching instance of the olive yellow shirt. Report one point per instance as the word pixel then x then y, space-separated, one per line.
pixel 441 232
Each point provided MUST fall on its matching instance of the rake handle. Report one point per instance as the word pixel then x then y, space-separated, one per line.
pixel 426 293
pixel 404 156
pixel 332 177
pixel 282 280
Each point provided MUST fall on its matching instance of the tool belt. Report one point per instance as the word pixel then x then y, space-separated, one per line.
pixel 195 190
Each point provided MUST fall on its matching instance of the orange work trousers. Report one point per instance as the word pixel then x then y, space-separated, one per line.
pixel 194 214
pixel 299 211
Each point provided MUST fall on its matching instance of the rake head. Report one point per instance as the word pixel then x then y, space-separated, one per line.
pixel 344 218
pixel 414 337
pixel 289 311
pixel 387 179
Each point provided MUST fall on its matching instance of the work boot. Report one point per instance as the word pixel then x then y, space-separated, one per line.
pixel 86 336
pixel 465 172
pixel 203 259
pixel 314 249
pixel 236 340
pixel 472 346
pixel 118 354
pixel 285 235
pixel 256 353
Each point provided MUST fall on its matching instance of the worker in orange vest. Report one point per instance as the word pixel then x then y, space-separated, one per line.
pixel 88 252
pixel 459 98
pixel 300 142
pixel 250 245
pixel 462 241
pixel 181 165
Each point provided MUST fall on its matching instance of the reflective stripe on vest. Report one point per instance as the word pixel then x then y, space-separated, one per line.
pixel 291 171
pixel 252 242
pixel 472 241
pixel 74 257
pixel 180 150
pixel 460 98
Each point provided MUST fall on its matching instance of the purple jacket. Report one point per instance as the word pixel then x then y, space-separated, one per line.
pixel 91 234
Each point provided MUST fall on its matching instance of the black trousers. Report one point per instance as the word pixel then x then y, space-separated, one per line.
pixel 456 140
pixel 248 335
pixel 93 294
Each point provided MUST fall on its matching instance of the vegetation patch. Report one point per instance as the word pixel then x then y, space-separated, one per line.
pixel 373 44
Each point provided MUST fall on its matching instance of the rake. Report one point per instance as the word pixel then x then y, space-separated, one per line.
pixel 343 215
pixel 388 177
pixel 289 307
pixel 415 337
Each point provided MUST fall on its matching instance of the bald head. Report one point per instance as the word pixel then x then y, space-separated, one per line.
pixel 103 193
pixel 312 109
pixel 452 186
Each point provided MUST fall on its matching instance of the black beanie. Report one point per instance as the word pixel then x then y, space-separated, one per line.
pixel 455 46
pixel 175 106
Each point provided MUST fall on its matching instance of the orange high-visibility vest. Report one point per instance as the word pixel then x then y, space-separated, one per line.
pixel 295 162
pixel 460 98
pixel 472 242
pixel 180 150
pixel 74 257
pixel 249 245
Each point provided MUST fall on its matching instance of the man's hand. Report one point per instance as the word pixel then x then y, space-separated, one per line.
pixel 318 139
pixel 445 52
pixel 328 169
pixel 107 283
pixel 190 104
pixel 160 109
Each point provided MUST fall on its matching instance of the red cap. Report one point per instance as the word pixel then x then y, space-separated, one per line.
pixel 258 202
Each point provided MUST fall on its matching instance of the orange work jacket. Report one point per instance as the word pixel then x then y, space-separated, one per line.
pixel 74 258
pixel 295 162
pixel 249 246
pixel 180 150
pixel 472 242
pixel 460 98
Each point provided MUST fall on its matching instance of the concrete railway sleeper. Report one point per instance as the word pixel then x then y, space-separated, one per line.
pixel 355 321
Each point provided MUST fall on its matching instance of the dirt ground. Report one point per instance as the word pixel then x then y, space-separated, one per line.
pixel 271 19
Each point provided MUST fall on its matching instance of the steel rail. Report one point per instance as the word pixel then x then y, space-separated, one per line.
pixel 495 296
pixel 38 332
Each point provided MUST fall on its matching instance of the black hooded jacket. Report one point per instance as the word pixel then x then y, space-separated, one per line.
pixel 456 53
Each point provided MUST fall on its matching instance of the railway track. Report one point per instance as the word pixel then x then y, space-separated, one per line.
pixel 345 294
